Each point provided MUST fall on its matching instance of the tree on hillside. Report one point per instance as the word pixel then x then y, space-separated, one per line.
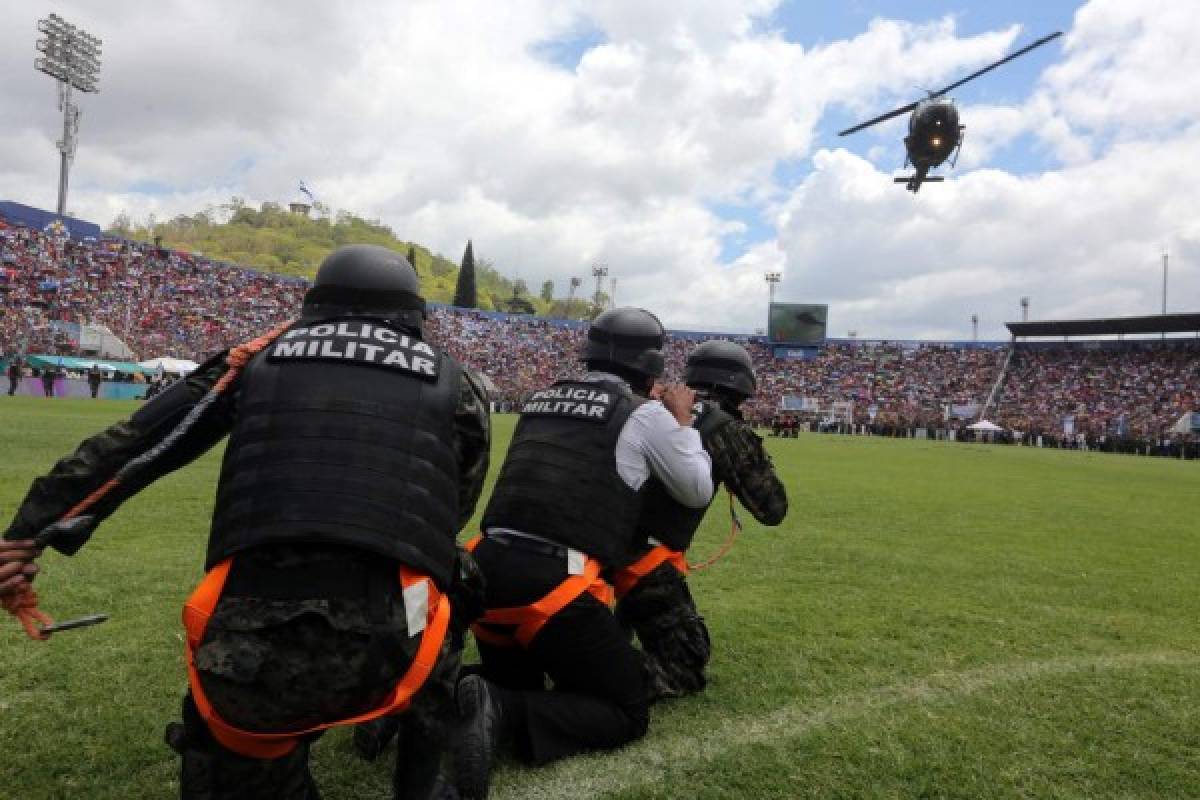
pixel 548 291
pixel 412 256
pixel 464 291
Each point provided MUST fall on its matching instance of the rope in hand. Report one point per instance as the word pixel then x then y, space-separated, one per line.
pixel 735 527
pixel 23 604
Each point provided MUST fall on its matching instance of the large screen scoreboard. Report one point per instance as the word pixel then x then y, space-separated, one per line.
pixel 797 323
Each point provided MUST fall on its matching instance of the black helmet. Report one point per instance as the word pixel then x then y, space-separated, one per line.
pixel 631 338
pixel 722 364
pixel 366 280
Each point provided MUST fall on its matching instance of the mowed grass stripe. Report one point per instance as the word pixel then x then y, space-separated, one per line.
pixel 651 763
pixel 903 567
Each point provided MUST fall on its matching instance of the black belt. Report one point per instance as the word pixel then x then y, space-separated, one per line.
pixel 525 543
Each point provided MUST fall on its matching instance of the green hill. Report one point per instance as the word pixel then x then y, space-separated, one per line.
pixel 274 239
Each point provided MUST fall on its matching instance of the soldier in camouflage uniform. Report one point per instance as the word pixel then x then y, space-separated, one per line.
pixel 655 602
pixel 356 450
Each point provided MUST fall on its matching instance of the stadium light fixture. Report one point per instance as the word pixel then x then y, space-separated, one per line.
pixel 773 279
pixel 974 327
pixel 599 272
pixel 71 56
pixel 1024 309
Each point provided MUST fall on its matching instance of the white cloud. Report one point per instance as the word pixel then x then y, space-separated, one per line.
pixel 440 119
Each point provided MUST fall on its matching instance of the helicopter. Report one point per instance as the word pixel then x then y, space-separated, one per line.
pixel 934 132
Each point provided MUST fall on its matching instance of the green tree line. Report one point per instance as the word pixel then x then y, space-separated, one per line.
pixel 272 238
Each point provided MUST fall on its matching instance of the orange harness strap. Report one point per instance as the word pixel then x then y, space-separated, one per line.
pixel 196 613
pixel 528 620
pixel 628 577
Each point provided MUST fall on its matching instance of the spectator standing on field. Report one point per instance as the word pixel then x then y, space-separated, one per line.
pixel 14 376
pixel 94 379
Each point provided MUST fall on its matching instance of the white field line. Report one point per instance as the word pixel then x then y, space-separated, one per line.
pixel 641 763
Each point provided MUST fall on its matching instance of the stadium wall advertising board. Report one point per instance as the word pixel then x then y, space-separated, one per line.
pixel 800 324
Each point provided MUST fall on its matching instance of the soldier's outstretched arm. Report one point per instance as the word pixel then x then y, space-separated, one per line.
pixel 741 461
pixel 472 424
pixel 99 458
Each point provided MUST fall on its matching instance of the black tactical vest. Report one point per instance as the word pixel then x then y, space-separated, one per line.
pixel 344 434
pixel 663 517
pixel 559 479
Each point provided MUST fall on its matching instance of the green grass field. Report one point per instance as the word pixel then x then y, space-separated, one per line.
pixel 932 620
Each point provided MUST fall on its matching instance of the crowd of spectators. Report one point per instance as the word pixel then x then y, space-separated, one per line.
pixel 158 301
pixel 165 302
pixel 1132 390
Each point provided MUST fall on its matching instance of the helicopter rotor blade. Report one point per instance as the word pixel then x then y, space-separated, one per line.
pixel 894 113
pixel 992 66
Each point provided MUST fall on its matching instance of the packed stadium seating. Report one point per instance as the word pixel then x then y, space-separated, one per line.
pixel 1136 389
pixel 165 302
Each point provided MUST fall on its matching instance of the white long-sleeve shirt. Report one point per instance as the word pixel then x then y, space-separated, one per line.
pixel 654 443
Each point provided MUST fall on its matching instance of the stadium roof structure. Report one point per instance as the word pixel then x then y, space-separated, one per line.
pixel 1120 326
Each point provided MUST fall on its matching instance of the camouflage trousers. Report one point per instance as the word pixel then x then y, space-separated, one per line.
pixel 676 647
pixel 275 658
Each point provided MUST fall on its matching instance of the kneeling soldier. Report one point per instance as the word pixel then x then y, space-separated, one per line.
pixel 654 600
pixel 564 510
pixel 356 453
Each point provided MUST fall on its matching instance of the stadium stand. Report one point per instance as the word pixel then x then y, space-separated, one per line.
pixel 165 302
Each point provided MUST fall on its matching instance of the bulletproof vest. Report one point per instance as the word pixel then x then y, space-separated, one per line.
pixel 663 517
pixel 559 480
pixel 344 434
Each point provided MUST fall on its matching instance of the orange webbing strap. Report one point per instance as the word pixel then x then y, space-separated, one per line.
pixel 628 577
pixel 528 620
pixel 196 613
pixel 735 527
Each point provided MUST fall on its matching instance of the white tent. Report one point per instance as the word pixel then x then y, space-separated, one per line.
pixel 176 366
pixel 985 426
pixel 1188 423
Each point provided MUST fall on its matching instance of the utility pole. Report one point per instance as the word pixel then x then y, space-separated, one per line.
pixel 1164 311
pixel 1164 307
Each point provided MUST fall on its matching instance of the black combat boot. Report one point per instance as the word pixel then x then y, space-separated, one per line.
pixel 477 740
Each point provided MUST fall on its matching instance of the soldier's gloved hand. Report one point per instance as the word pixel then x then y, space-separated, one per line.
pixel 467 602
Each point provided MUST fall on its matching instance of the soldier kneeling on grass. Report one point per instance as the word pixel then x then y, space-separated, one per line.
pixel 653 597
pixel 356 453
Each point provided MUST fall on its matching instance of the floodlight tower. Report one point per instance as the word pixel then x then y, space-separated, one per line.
pixel 71 56
pixel 974 327
pixel 599 272
pixel 773 279
pixel 1024 309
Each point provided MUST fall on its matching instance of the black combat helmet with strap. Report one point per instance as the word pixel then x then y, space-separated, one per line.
pixel 724 365
pixel 366 280
pixel 627 338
